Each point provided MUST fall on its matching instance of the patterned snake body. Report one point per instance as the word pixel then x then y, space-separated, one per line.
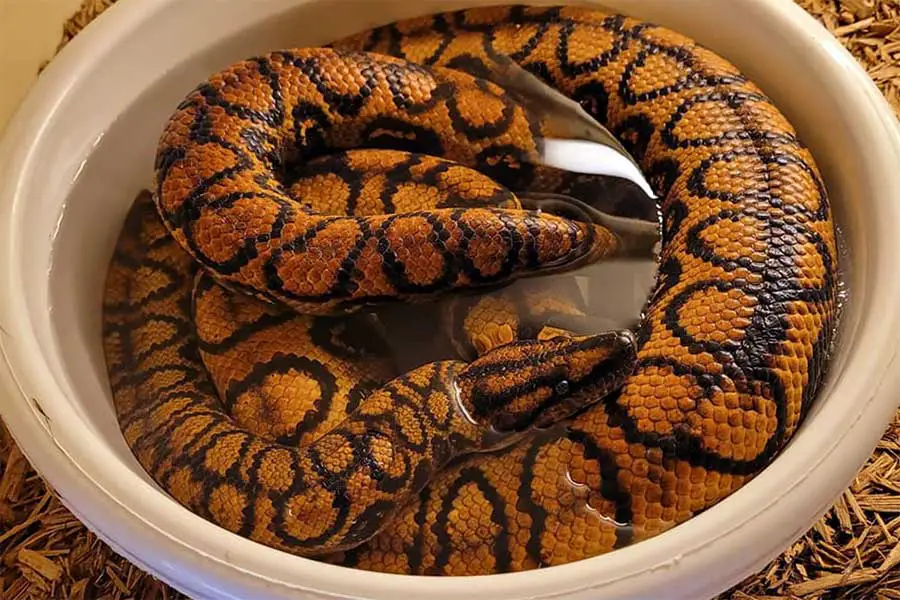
pixel 241 293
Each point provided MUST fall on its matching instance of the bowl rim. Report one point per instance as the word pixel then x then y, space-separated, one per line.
pixel 62 462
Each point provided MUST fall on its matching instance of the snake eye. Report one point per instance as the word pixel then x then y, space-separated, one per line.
pixel 561 388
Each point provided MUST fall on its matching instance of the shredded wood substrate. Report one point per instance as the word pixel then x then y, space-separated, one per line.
pixel 852 552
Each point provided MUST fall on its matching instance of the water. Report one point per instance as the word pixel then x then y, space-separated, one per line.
pixel 613 292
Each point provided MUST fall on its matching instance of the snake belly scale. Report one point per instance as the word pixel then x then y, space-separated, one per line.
pixel 255 262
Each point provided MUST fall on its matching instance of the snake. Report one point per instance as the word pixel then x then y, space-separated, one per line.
pixel 296 190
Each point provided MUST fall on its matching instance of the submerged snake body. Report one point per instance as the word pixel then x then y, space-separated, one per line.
pixel 731 348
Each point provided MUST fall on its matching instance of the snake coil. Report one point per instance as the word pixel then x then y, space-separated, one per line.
pixel 241 352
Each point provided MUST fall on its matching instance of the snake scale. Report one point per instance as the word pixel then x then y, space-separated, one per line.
pixel 296 189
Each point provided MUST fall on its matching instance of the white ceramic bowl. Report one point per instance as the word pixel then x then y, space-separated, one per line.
pixel 83 143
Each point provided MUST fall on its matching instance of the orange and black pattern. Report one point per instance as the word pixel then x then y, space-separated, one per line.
pixel 222 152
pixel 731 349
pixel 328 490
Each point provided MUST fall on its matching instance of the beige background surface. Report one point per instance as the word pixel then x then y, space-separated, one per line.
pixel 29 33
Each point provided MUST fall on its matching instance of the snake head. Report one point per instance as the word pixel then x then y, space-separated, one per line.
pixel 535 383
